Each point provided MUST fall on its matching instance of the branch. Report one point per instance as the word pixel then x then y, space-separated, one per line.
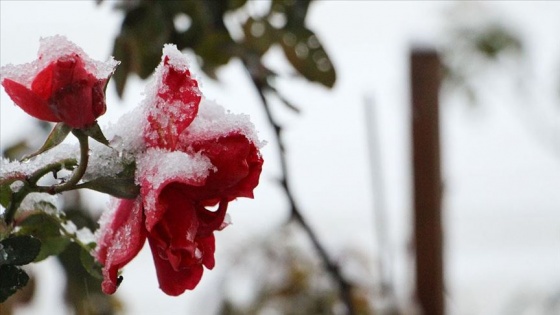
pixel 260 84
pixel 30 183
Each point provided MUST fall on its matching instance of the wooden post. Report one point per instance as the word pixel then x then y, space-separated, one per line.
pixel 428 239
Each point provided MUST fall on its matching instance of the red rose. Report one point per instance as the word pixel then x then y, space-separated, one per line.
pixel 184 170
pixel 65 89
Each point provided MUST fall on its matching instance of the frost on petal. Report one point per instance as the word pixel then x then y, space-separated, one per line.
pixel 50 49
pixel 120 238
pixel 157 167
pixel 213 122
pixel 62 85
pixel 55 46
pixel 172 102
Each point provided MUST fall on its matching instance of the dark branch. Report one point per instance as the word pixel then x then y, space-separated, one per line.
pixel 332 268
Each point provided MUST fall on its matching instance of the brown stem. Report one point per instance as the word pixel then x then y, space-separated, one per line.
pixel 81 170
pixel 30 183
pixel 331 267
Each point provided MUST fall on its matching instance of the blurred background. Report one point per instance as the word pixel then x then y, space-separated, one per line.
pixel 347 149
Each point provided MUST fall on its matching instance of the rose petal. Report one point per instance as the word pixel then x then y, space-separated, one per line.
pixel 120 241
pixel 208 246
pixel 238 164
pixel 30 102
pixel 174 282
pixel 176 106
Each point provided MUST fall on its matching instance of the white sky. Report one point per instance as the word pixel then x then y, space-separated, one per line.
pixel 501 164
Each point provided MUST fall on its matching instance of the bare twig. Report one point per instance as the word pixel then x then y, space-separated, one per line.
pixel 332 268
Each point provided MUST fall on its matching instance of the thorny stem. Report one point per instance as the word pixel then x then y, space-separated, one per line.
pixel 30 183
pixel 81 170
pixel 331 267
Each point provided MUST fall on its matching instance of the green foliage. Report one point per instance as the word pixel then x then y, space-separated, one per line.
pixel 494 40
pixel 16 150
pixel 13 278
pixel 15 251
pixel 19 250
pixel 121 185
pixel 92 266
pixel 475 49
pixel 6 192
pixel 150 24
pixel 57 135
pixel 47 228
pixel 96 134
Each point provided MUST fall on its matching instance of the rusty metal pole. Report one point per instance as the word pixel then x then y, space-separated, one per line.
pixel 428 238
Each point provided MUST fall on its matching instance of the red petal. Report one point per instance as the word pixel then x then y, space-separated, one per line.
pixel 153 208
pixel 120 241
pixel 238 164
pixel 175 109
pixel 208 246
pixel 174 282
pixel 73 104
pixel 178 225
pixel 42 85
pixel 77 96
pixel 179 85
pixel 210 221
pixel 98 105
pixel 30 102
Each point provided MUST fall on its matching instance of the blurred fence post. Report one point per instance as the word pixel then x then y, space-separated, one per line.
pixel 428 238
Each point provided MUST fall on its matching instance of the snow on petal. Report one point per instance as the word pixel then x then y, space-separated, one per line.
pixel 213 122
pixel 158 167
pixel 172 102
pixel 50 49
pixel 120 237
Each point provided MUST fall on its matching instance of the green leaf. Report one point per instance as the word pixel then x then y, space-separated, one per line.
pixel 19 250
pixel 45 227
pixel 259 35
pixel 215 50
pixel 122 185
pixel 305 52
pixel 5 193
pixel 40 225
pixel 16 150
pixel 57 135
pixel 121 52
pixel 95 133
pixel 118 187
pixel 294 10
pixel 144 30
pixel 236 4
pixel 92 266
pixel 52 246
pixel 12 279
